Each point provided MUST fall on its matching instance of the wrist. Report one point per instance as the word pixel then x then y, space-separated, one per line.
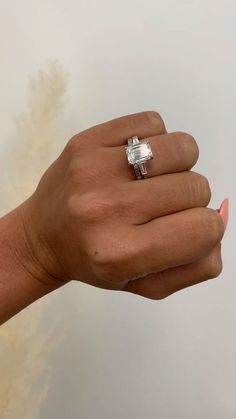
pixel 22 278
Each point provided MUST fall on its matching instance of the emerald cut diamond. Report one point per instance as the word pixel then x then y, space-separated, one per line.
pixel 139 153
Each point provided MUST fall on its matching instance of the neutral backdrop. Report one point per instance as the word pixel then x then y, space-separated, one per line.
pixel 125 356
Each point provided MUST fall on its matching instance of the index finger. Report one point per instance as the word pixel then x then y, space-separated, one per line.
pixel 177 239
pixel 117 131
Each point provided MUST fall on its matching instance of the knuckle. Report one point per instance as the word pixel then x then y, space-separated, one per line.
pixel 152 118
pixel 75 208
pixel 159 288
pixel 202 188
pixel 123 202
pixel 213 225
pixel 107 263
pixel 102 205
pixel 205 189
pixel 161 294
pixel 74 144
pixel 93 206
pixel 103 260
pixel 77 172
pixel 155 118
pixel 152 115
pixel 72 168
pixel 190 147
pixel 113 259
pixel 214 267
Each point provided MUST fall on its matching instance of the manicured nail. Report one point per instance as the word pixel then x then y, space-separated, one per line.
pixel 224 211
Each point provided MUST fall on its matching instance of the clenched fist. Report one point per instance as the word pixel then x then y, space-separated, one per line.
pixel 91 220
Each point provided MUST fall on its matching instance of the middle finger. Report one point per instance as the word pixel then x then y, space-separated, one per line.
pixel 164 195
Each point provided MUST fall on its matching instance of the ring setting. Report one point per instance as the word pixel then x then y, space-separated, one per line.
pixel 138 153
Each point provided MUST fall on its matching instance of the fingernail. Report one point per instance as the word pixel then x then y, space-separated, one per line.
pixel 224 211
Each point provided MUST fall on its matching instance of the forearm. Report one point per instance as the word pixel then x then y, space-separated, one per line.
pixel 22 281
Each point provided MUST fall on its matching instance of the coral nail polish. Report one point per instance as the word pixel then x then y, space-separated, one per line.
pixel 224 211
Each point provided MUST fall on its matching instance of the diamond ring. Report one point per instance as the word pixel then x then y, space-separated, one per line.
pixel 138 153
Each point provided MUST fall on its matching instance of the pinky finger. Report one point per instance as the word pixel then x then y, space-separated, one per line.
pixel 162 284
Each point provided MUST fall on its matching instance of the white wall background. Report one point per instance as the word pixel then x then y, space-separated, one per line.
pixel 124 356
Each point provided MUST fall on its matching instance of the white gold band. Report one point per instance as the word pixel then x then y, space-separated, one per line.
pixel 138 153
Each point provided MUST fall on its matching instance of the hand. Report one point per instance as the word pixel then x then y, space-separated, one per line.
pixel 91 220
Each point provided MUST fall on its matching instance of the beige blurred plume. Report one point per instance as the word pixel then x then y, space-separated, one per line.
pixel 24 345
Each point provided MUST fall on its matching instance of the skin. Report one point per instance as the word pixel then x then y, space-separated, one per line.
pixel 91 220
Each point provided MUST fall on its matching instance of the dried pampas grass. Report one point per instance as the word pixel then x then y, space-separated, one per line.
pixel 24 347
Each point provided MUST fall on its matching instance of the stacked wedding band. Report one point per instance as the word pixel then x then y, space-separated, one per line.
pixel 138 153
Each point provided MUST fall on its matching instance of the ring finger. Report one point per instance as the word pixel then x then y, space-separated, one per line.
pixel 174 152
